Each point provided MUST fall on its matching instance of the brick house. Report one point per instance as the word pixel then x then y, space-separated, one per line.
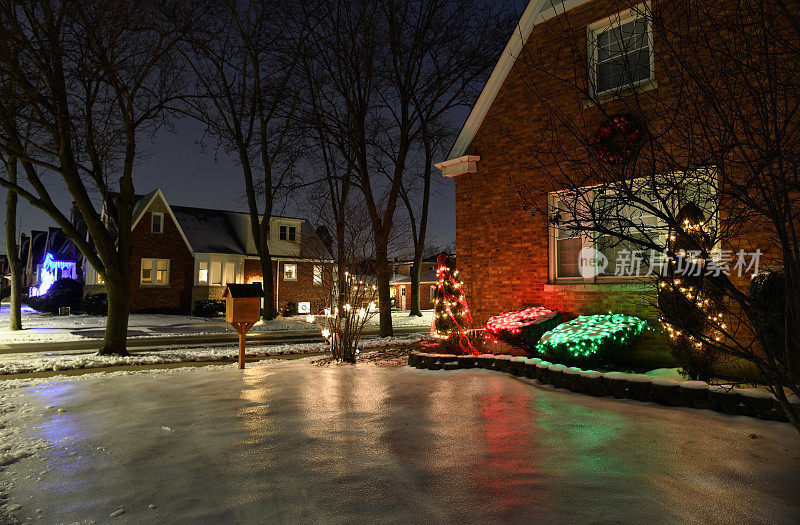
pixel 183 254
pixel 427 290
pixel 511 257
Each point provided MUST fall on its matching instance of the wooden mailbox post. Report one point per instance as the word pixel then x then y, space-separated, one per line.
pixel 243 310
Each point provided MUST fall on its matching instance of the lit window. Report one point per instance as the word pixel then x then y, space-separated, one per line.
pixel 620 52
pixel 157 222
pixel 230 273
pixel 216 272
pixel 155 272
pixel 317 274
pixel 289 272
pixel 634 226
pixel 202 272
pixel 162 268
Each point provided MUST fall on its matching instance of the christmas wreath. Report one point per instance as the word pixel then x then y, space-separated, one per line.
pixel 617 139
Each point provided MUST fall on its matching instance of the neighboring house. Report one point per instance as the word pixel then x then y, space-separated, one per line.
pixel 401 283
pixel 511 257
pixel 49 256
pixel 427 291
pixel 184 254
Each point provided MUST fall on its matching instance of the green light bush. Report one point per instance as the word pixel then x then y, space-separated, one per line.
pixel 590 337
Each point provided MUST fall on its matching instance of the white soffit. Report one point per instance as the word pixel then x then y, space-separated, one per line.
pixel 459 166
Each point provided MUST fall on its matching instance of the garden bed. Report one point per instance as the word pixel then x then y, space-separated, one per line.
pixel 695 394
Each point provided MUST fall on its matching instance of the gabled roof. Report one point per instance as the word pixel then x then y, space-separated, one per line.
pixel 536 11
pixel 208 231
pixel 143 204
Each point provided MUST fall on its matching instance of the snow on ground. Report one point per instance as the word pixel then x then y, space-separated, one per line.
pixel 284 441
pixel 47 328
pixel 38 362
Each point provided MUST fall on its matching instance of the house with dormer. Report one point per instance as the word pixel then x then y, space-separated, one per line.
pixel 184 254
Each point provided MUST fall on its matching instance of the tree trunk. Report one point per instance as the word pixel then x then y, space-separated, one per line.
pixel 415 310
pixel 116 336
pixel 270 308
pixel 15 299
pixel 383 274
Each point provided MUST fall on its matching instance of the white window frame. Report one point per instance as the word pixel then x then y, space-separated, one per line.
pixel 294 274
pixel 318 274
pixel 153 216
pixel 595 29
pixel 152 265
pixel 433 292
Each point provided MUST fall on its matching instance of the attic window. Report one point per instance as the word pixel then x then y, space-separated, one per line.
pixel 157 223
pixel 288 233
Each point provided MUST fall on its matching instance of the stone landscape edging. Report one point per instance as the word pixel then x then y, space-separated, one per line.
pixel 693 394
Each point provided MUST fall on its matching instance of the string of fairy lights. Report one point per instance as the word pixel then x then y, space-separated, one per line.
pixel 452 319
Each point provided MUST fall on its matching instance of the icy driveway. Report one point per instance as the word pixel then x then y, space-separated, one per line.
pixel 291 442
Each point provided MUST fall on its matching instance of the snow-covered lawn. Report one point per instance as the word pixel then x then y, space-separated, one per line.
pixel 46 328
pixel 22 363
pixel 291 442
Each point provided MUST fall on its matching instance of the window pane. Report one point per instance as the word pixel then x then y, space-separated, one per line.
pixel 317 274
pixel 157 223
pixel 230 274
pixel 291 233
pixel 147 271
pixel 202 272
pixel 567 253
pixel 283 233
pixel 216 272
pixel 623 55
pixel 289 272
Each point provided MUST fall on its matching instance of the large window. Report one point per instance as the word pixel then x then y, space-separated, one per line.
pixel 617 225
pixel 620 52
pixel 317 274
pixel 155 272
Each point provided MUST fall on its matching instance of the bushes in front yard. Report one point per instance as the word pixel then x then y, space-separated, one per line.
pixel 209 308
pixel 63 292
pixel 95 304
pixel 290 310
pixel 590 337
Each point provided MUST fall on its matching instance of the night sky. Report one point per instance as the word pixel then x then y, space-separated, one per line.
pixel 188 176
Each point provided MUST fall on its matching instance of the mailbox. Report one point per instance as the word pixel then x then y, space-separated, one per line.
pixel 243 303
pixel 243 311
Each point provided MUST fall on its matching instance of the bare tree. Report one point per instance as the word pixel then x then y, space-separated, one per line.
pixel 244 57
pixel 91 78
pixel 457 55
pixel 12 250
pixel 698 166
pixel 379 77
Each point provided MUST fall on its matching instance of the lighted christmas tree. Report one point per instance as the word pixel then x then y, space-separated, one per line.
pixel 452 319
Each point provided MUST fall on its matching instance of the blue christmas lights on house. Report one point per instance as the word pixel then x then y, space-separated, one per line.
pixel 51 270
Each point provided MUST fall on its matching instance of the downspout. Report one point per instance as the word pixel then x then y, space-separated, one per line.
pixel 277 282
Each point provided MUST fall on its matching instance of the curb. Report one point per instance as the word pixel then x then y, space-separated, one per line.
pixel 669 392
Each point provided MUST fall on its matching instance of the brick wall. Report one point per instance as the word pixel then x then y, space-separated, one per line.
pixel 177 296
pixel 503 248
pixel 302 289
